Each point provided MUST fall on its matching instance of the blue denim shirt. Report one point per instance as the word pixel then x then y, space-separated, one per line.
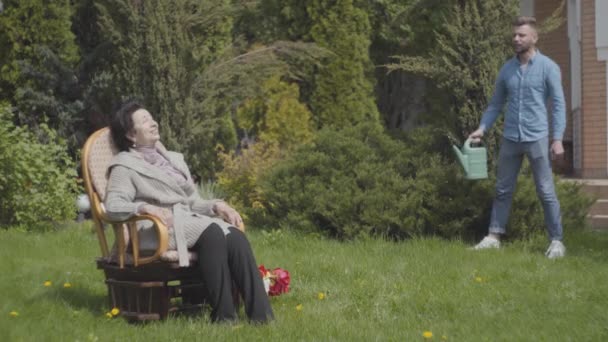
pixel 526 94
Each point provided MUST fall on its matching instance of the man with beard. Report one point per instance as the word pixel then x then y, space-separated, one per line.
pixel 524 84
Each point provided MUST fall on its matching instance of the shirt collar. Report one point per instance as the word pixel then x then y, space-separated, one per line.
pixel 532 60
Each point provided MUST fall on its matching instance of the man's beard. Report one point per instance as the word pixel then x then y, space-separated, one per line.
pixel 522 49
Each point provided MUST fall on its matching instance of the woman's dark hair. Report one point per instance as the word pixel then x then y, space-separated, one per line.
pixel 122 123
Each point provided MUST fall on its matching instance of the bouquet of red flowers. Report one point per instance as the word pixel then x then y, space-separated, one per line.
pixel 276 281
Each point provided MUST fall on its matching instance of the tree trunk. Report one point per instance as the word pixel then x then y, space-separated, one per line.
pixel 401 99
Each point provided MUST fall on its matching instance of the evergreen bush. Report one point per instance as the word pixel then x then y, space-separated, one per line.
pixel 359 182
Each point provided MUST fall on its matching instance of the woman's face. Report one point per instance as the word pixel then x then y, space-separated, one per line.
pixel 145 129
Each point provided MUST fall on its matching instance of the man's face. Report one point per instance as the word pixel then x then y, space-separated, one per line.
pixel 524 38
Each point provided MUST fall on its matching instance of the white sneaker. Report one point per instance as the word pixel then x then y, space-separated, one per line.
pixel 556 250
pixel 487 242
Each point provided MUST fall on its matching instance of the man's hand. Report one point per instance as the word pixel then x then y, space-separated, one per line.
pixel 476 136
pixel 557 149
pixel 163 214
pixel 228 214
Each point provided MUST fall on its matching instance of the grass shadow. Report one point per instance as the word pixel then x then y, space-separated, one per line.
pixel 87 299
pixel 588 244
pixel 78 298
pixel 584 244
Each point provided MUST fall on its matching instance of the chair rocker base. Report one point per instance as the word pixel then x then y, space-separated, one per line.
pixel 153 291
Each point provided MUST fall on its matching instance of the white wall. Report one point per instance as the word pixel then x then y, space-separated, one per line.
pixel 601 29
pixel 601 40
pixel 574 43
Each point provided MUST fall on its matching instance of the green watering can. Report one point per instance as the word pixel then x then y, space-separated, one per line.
pixel 473 160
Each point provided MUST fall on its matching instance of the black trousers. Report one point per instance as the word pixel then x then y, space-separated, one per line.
pixel 224 259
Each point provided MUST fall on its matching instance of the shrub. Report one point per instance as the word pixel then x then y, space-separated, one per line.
pixel 345 184
pixel 37 179
pixel 241 173
pixel 276 115
pixel 279 122
pixel 360 181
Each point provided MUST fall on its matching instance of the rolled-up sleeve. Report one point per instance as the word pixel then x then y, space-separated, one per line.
pixel 556 94
pixel 497 102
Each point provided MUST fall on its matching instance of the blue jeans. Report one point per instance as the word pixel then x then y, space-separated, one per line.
pixel 510 158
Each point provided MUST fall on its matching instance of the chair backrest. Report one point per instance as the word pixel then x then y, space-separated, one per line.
pixel 100 154
pixel 96 156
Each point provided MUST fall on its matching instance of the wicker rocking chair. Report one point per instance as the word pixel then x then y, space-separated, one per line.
pixel 141 287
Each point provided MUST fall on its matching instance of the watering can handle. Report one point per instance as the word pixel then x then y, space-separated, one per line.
pixel 467 144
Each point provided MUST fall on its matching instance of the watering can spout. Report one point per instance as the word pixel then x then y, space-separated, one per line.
pixel 461 158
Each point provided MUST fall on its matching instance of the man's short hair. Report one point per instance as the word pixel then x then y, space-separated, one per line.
pixel 522 20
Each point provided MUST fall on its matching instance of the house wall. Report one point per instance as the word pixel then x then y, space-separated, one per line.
pixel 555 45
pixel 594 110
pixel 581 50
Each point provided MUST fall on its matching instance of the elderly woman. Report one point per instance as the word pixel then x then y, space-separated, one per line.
pixel 147 179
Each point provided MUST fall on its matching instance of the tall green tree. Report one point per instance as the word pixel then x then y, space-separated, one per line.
pixel 402 27
pixel 38 59
pixel 159 50
pixel 98 89
pixel 341 91
pixel 184 59
pixel 343 88
pixel 471 46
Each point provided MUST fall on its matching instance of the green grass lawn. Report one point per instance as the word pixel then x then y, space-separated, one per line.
pixel 374 290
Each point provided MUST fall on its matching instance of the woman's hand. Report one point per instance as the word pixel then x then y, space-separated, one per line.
pixel 228 214
pixel 164 214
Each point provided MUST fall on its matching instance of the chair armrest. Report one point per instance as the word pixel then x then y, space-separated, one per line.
pixel 161 232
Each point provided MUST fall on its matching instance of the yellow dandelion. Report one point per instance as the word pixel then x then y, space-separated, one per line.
pixel 299 307
pixel 109 314
pixel 115 312
pixel 427 334
pixel 479 279
pixel 321 295
pixel 67 285
pixel 13 313
pixel 48 283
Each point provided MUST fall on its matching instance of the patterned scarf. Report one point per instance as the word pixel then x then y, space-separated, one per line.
pixel 152 156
